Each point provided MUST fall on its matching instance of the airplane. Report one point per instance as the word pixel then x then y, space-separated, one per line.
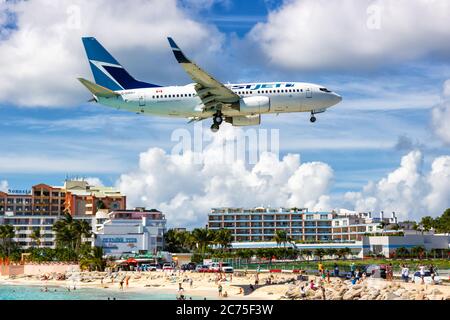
pixel 239 104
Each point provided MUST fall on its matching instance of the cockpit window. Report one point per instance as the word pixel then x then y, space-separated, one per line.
pixel 325 90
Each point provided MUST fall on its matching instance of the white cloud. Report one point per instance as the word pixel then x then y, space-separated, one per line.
pixel 440 115
pixel 441 120
pixel 438 198
pixel 94 181
pixel 407 190
pixel 186 189
pixel 343 34
pixel 4 186
pixel 42 58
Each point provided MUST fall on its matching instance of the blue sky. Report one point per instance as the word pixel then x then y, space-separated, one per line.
pixel 388 94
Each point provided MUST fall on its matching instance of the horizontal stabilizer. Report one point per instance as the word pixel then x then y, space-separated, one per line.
pixel 98 90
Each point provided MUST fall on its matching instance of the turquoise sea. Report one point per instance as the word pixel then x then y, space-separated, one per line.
pixel 15 292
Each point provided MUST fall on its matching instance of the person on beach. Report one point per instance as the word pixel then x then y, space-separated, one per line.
pixel 191 282
pixel 422 273
pixel 322 288
pixel 312 285
pixel 121 284
pixel 352 269
pixel 328 276
pixel 320 267
pixel 336 270
pixel 357 274
pixel 388 272
pixel 127 279
pixel 225 294
pixel 323 276
pixel 302 292
pixel 432 272
pixel 405 273
pixel 220 290
pixel 241 291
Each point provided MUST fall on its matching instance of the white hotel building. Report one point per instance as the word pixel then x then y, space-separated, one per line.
pixel 261 224
pixel 254 228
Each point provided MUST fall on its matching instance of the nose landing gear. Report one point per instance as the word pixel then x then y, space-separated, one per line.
pixel 217 121
pixel 313 118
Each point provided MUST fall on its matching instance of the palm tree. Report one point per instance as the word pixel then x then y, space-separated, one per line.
pixel 307 253
pixel 7 234
pixel 331 252
pixel 202 238
pixel 70 232
pixel 343 252
pixel 82 230
pixel 36 236
pixel 319 252
pixel 427 223
pixel 281 237
pixel 93 259
pixel 223 238
pixel 65 234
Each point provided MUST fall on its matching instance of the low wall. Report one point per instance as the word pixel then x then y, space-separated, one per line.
pixel 11 270
pixel 37 269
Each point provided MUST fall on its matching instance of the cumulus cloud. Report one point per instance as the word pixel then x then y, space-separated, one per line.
pixel 407 190
pixel 42 55
pixel 441 115
pixel 94 181
pixel 186 186
pixel 4 186
pixel 342 34
pixel 439 181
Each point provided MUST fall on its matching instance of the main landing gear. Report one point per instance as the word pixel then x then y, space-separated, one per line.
pixel 217 121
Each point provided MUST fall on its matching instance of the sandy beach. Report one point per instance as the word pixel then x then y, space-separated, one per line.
pixel 206 285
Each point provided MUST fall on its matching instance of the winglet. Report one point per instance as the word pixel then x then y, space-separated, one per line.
pixel 179 55
pixel 98 90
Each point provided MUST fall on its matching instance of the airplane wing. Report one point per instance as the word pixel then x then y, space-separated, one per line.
pixel 212 92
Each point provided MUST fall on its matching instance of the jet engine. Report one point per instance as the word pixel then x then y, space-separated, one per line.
pixel 241 121
pixel 257 104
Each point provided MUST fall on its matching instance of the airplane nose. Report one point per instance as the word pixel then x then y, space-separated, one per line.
pixel 337 98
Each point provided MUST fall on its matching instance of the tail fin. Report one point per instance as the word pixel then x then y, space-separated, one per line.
pixel 107 71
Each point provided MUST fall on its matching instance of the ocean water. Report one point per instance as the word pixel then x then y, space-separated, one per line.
pixel 22 292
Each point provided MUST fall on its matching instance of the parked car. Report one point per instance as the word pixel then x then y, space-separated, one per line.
pixel 227 268
pixel 376 271
pixel 167 267
pixel 188 266
pixel 202 268
pixel 224 267
pixel 427 278
pixel 153 267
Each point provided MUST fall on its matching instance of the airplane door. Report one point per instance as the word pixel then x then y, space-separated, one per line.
pixel 308 93
pixel 141 101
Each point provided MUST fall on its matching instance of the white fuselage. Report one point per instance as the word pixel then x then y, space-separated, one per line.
pixel 182 101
